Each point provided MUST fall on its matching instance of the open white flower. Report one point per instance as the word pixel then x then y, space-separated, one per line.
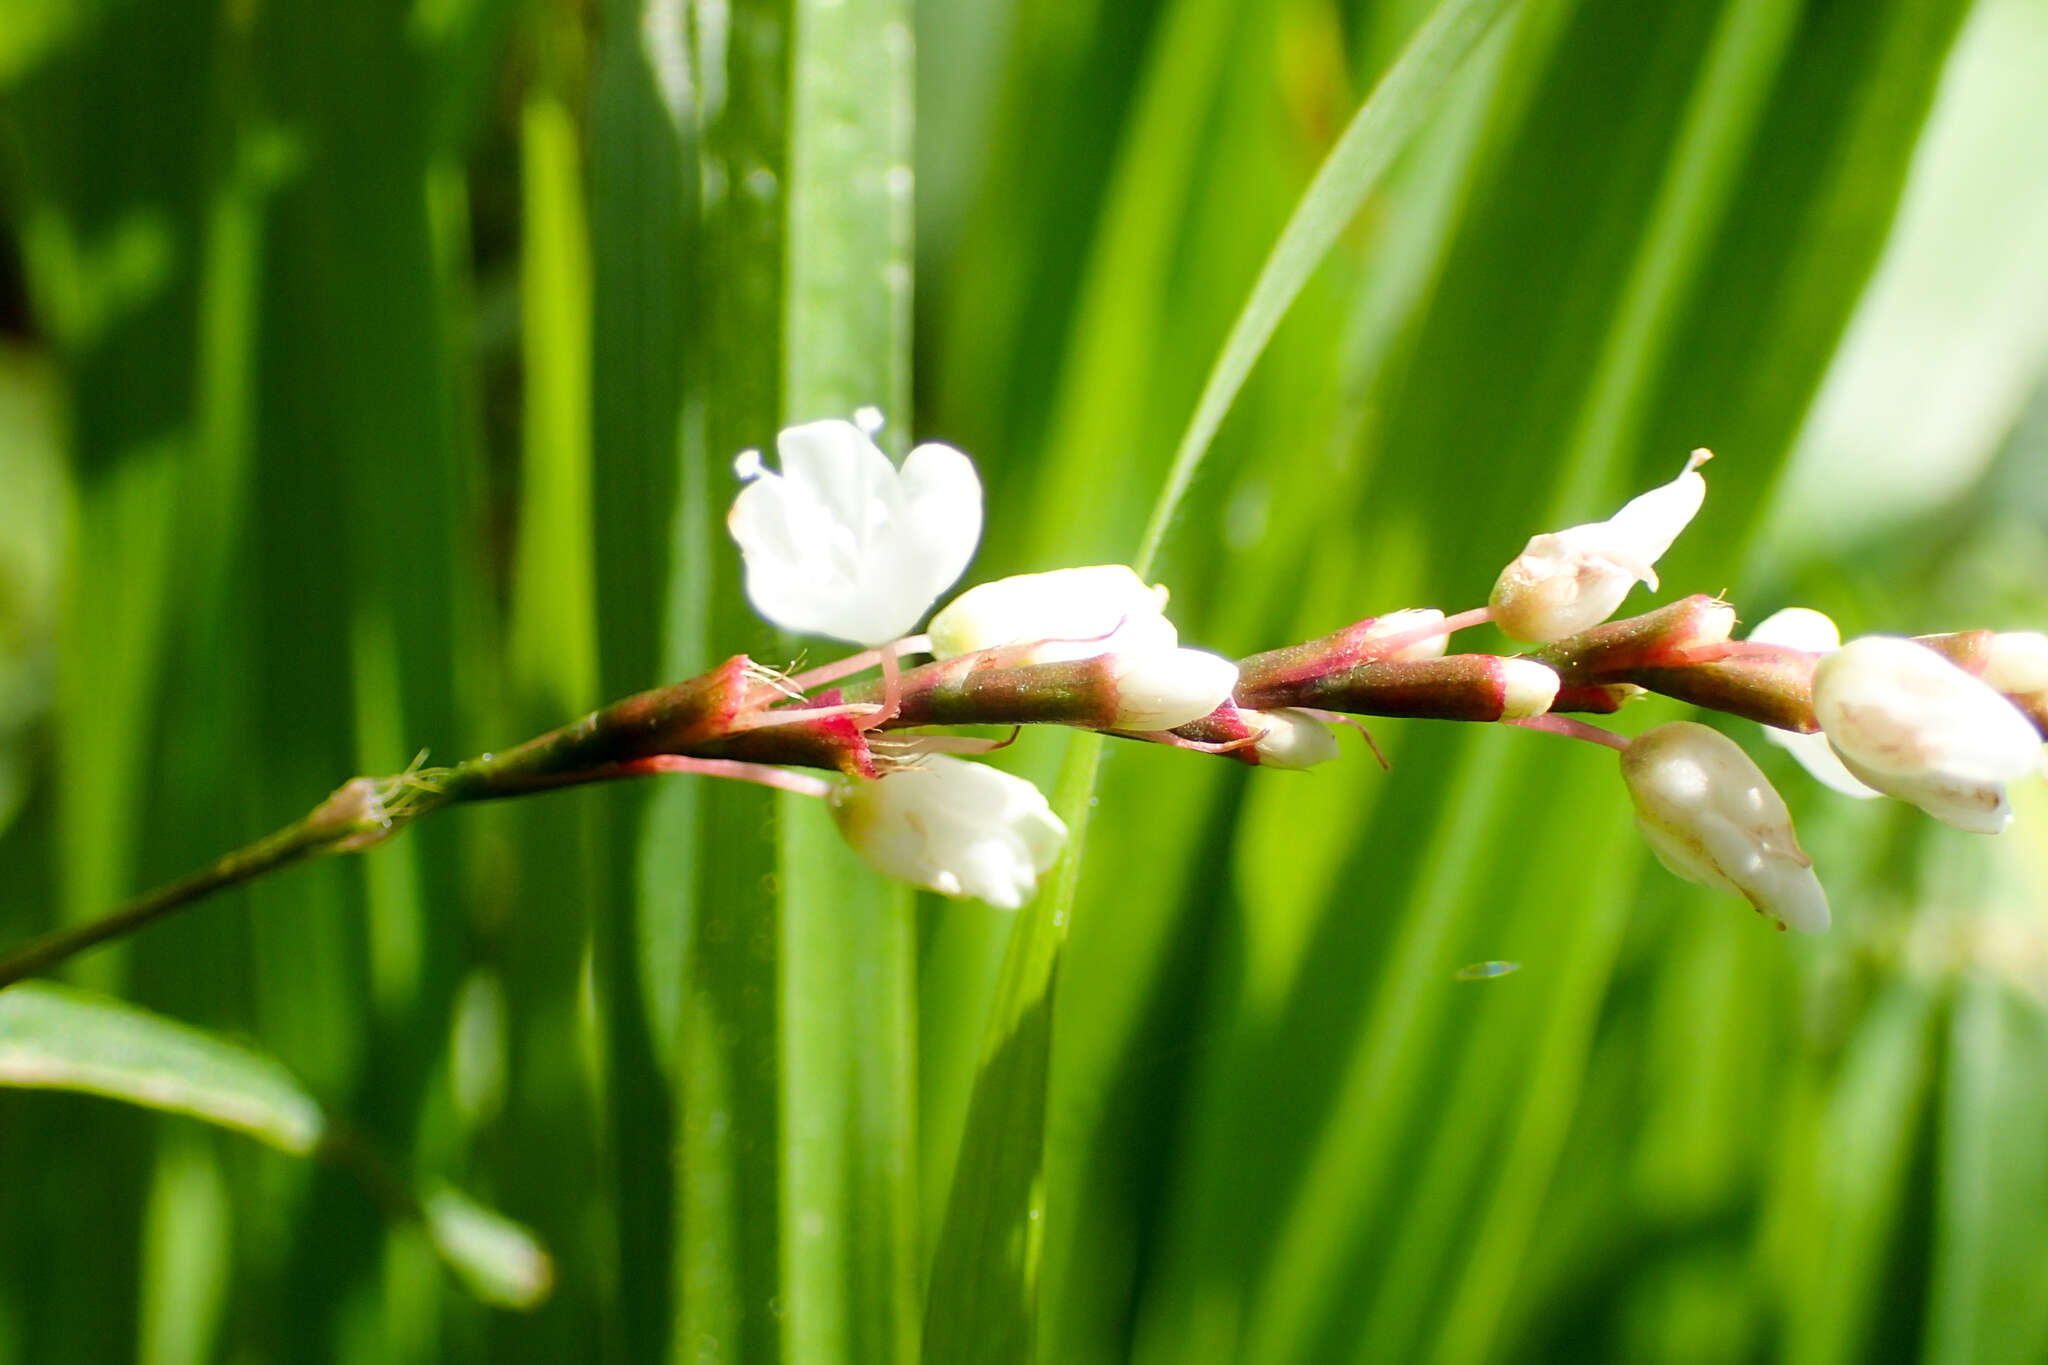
pixel 1567 581
pixel 1064 614
pixel 1712 817
pixel 957 828
pixel 1915 726
pixel 1812 631
pixel 841 543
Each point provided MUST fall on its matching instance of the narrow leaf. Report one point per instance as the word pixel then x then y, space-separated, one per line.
pixel 57 1038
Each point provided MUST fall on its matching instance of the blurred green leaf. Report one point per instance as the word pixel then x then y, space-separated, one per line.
pixel 57 1038
pixel 499 1260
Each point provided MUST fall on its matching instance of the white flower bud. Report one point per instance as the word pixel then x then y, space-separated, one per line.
pixel 1065 613
pixel 1809 630
pixel 1913 725
pixel 843 544
pixel 1711 817
pixel 1410 619
pixel 1289 738
pixel 1527 688
pixel 2016 663
pixel 1157 689
pixel 1567 581
pixel 957 828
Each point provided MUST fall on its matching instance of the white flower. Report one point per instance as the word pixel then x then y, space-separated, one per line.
pixel 1567 581
pixel 1809 630
pixel 1913 725
pixel 841 543
pixel 1289 738
pixel 1157 689
pixel 957 828
pixel 1712 817
pixel 1066 613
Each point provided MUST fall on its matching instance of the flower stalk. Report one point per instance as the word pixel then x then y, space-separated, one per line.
pixel 843 543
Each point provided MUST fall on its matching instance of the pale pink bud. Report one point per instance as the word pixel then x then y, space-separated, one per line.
pixel 957 828
pixel 1157 689
pixel 1913 725
pixel 1567 581
pixel 1063 614
pixel 1290 738
pixel 1712 817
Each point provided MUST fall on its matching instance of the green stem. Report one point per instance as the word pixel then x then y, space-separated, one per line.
pixel 353 817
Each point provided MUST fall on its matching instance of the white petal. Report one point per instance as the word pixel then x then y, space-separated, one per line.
pixel 845 470
pixel 1979 807
pixel 1648 523
pixel 1569 581
pixel 961 829
pixel 1078 613
pixel 840 543
pixel 941 522
pixel 1819 759
pixel 1798 628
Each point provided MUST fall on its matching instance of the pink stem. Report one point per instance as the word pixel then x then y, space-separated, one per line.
pixel 803 784
pixel 1572 729
pixel 1400 640
pixel 884 655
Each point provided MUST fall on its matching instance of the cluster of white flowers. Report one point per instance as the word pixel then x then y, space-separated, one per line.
pixel 843 544
pixel 1895 716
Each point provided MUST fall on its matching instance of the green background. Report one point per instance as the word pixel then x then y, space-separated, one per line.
pixel 370 376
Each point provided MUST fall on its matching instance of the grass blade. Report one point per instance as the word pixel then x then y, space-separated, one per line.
pixel 1380 128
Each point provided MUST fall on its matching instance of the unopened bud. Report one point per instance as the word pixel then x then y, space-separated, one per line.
pixel 1527 688
pixel 1712 817
pixel 1568 581
pixel 1064 614
pixel 1913 725
pixel 2016 663
pixel 1289 738
pixel 1157 689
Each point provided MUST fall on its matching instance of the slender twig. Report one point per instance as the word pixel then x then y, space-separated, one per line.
pixel 354 817
pixel 1572 729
